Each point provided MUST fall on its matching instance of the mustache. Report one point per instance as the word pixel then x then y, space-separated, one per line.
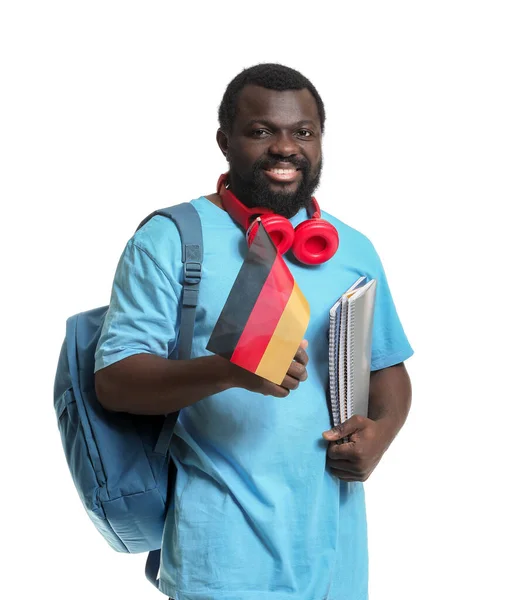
pixel 300 163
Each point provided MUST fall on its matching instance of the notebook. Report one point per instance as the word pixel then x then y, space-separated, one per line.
pixel 350 336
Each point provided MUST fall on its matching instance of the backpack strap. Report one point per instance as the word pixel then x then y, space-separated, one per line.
pixel 188 223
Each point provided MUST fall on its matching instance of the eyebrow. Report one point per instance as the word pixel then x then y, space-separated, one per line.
pixel 274 126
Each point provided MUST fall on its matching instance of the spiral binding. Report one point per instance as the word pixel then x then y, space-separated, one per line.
pixel 333 380
pixel 350 362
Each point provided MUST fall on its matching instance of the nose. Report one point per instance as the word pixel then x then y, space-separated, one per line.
pixel 283 144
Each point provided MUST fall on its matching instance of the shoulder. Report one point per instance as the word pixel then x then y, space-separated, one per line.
pixel 156 235
pixel 353 241
pixel 158 241
pixel 159 238
pixel 160 232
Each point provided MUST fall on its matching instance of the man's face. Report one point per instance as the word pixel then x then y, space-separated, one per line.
pixel 274 149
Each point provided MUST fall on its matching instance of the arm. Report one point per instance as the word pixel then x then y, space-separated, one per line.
pixel 389 403
pixel 140 331
pixel 390 389
pixel 390 399
pixel 150 385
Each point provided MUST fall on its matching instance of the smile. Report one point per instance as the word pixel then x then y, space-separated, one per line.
pixel 285 175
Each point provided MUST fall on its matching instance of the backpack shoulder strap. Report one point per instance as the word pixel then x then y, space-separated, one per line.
pixel 188 223
pixel 189 227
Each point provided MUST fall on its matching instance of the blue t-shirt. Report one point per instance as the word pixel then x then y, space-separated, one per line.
pixel 256 513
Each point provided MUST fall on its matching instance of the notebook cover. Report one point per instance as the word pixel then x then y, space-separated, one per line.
pixel 360 311
pixel 335 380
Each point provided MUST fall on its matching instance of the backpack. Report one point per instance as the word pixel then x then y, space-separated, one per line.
pixel 118 461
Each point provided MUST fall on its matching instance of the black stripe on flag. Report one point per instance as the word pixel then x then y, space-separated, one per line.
pixel 243 295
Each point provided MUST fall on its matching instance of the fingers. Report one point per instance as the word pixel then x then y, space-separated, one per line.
pixel 347 471
pixel 290 383
pixel 268 388
pixel 347 428
pixel 346 475
pixel 295 375
pixel 342 452
pixel 255 383
pixel 348 461
pixel 278 391
pixel 301 356
pixel 271 389
pixel 297 371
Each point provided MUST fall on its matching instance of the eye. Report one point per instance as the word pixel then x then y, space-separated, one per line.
pixel 260 133
pixel 305 133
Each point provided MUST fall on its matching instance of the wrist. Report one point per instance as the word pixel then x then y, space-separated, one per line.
pixel 388 428
pixel 224 373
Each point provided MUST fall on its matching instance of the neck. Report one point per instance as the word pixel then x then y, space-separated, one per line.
pixel 216 200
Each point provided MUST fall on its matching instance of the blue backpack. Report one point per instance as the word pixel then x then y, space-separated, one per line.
pixel 118 461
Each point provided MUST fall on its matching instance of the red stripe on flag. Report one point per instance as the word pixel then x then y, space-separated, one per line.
pixel 264 317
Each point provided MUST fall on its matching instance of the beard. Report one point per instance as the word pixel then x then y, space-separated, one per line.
pixel 254 191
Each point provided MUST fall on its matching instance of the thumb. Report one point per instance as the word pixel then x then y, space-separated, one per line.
pixel 340 431
pixel 304 344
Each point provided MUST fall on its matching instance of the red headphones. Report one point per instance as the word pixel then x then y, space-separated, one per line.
pixel 312 242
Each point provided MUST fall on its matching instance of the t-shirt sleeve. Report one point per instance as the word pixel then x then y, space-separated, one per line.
pixel 143 312
pixel 390 345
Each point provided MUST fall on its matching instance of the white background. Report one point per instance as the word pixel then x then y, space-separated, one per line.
pixel 108 111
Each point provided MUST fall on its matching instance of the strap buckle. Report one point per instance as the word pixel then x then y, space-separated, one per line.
pixel 192 273
pixel 192 278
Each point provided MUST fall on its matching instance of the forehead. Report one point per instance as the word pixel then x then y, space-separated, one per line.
pixel 281 107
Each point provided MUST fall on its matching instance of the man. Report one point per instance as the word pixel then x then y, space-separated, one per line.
pixel 262 507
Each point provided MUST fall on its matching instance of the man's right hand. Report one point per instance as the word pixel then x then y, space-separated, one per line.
pixel 296 373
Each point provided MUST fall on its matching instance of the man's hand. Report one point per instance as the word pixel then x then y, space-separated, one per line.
pixel 295 374
pixel 354 460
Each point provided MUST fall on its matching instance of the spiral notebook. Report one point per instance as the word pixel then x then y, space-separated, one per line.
pixel 350 336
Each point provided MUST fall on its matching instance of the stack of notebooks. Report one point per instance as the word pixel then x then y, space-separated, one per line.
pixel 350 335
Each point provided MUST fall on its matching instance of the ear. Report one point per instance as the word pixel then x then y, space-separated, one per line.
pixel 223 142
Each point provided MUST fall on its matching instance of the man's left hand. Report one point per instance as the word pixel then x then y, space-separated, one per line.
pixel 354 460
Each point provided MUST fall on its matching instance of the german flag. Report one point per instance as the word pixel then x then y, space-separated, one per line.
pixel 265 316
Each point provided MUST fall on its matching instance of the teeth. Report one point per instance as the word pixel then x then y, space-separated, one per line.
pixel 283 171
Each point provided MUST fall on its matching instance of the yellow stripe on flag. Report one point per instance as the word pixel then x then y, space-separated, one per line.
pixel 286 338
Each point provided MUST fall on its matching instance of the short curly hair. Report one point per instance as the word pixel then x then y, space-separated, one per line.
pixel 271 76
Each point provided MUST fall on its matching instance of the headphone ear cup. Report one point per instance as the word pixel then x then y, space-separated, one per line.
pixel 279 228
pixel 315 241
